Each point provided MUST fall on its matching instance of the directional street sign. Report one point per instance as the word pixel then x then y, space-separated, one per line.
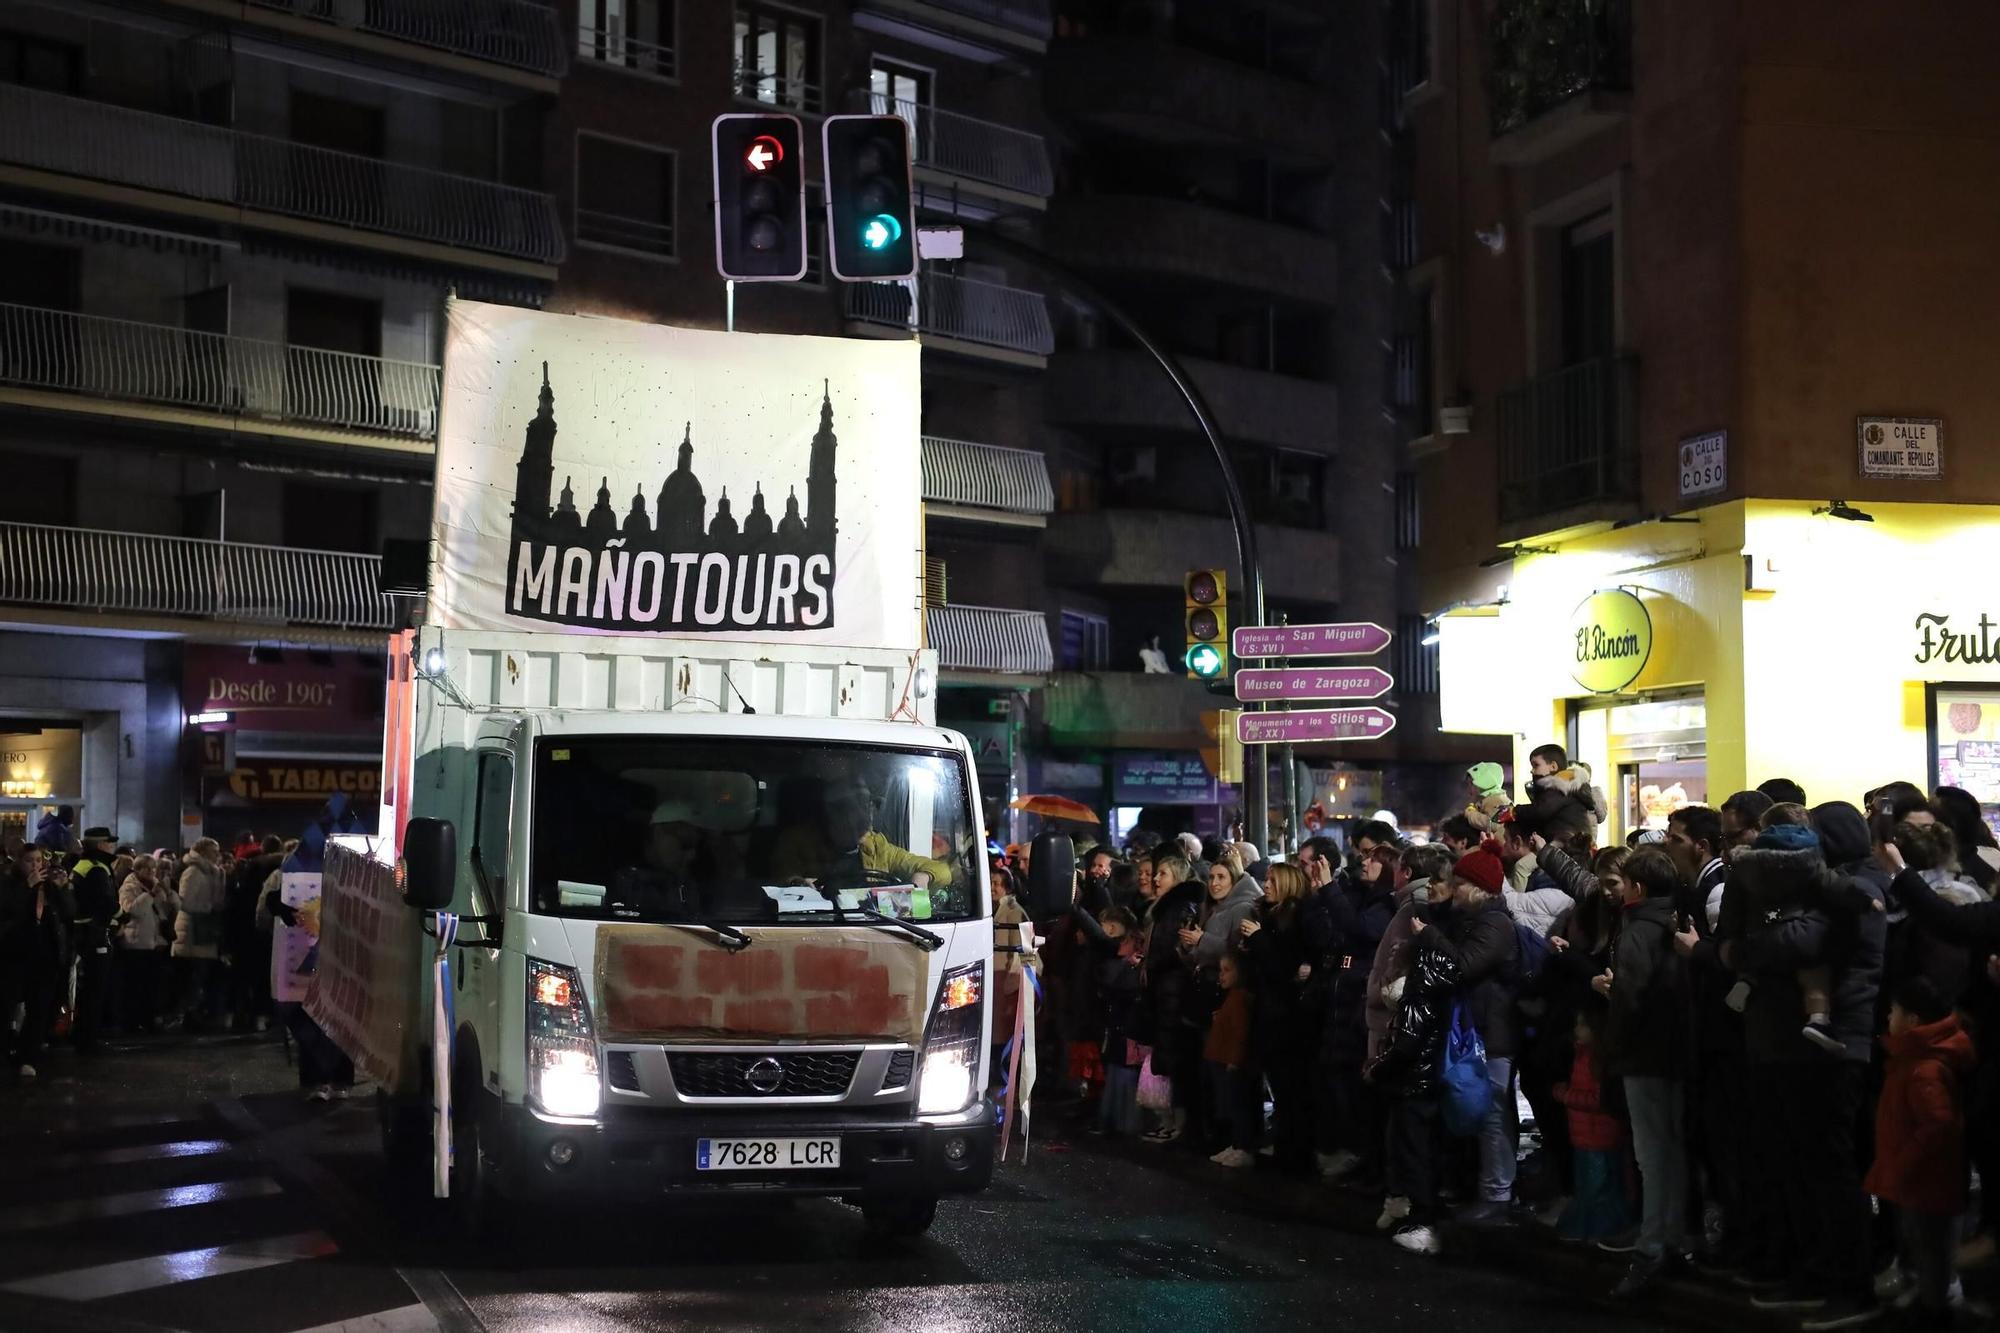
pixel 1314 724
pixel 1312 682
pixel 1353 639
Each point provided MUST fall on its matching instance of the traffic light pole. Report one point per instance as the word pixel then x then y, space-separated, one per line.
pixel 1256 775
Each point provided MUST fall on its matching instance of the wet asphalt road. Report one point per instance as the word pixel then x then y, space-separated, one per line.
pixel 187 1186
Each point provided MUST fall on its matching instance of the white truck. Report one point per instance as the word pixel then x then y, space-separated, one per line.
pixel 700 948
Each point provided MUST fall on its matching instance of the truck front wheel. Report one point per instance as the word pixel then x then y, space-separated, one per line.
pixel 898 1214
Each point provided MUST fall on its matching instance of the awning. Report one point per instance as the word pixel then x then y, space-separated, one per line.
pixel 986 638
pixel 44 221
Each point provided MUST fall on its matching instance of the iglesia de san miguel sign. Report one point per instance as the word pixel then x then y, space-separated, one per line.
pixel 610 477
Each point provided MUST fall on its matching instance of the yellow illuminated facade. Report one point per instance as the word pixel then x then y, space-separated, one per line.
pixel 1839 653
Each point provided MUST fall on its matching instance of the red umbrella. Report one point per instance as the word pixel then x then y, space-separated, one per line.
pixel 1057 807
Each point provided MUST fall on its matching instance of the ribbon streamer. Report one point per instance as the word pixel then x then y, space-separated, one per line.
pixel 442 1026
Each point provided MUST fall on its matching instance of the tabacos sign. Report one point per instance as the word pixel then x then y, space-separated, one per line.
pixel 1611 640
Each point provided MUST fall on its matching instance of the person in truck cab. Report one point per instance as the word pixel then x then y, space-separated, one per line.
pixel 687 872
pixel 846 847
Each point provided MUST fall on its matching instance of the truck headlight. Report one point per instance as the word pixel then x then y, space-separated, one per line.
pixel 951 1043
pixel 562 1046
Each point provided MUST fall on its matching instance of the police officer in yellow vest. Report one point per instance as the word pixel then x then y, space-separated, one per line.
pixel 96 899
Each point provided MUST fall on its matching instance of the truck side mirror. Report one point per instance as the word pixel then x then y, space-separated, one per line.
pixel 1051 875
pixel 430 863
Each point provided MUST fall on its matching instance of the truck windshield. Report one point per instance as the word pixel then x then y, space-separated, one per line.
pixel 642 828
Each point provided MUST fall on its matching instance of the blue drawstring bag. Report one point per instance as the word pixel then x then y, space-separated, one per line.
pixel 1467 1095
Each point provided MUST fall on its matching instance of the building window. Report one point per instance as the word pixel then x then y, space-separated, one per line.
pixel 629 34
pixel 39 488
pixel 1409 513
pixel 777 57
pixel 1295 489
pixel 624 196
pixel 1413 369
pixel 1589 290
pixel 1417 656
pixel 1086 642
pixel 1410 45
pixel 329 518
pixel 37 62
pixel 896 89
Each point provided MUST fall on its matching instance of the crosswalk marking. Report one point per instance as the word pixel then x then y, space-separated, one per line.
pixel 402 1319
pixel 159 1270
pixel 28 1217
pixel 56 1163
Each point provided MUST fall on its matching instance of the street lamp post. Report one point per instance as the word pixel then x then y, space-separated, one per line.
pixel 1256 775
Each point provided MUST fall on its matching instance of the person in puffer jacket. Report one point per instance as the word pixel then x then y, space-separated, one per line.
pixel 1344 926
pixel 1408 1070
pixel 1564 796
pixel 198 928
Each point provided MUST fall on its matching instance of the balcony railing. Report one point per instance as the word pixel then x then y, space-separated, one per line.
pixel 520 34
pixel 968 147
pixel 1544 52
pixel 776 90
pixel 83 569
pixel 211 372
pixel 987 638
pixel 986 476
pixel 76 137
pixel 964 309
pixel 1566 439
pixel 621 50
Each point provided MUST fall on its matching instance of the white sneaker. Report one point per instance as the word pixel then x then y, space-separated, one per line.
pixel 1394 1209
pixel 1889 1282
pixel 323 1093
pixel 1338 1164
pixel 1549 1214
pixel 1417 1240
pixel 27 1071
pixel 1268 1150
pixel 1237 1158
pixel 1219 1156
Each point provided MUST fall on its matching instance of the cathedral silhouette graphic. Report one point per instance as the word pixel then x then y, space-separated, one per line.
pixel 677 569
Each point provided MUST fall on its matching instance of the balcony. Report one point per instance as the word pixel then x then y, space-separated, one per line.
pixel 1567 445
pixel 255 385
pixel 964 316
pixel 230 177
pixel 1128 393
pixel 986 482
pixel 513 34
pixel 1170 96
pixel 82 569
pixel 959 155
pixel 1559 72
pixel 987 640
pixel 982 30
pixel 1153 548
pixel 1142 237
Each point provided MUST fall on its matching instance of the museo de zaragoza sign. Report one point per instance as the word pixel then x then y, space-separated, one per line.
pixel 602 476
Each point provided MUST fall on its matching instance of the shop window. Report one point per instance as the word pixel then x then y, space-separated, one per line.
pixel 1965 744
pixel 624 196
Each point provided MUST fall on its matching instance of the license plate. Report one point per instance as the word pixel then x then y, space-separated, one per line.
pixel 766 1154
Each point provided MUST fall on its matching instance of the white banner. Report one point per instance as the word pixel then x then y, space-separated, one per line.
pixel 602 476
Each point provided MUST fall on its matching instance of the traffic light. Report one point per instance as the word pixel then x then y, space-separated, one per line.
pixel 871 228
pixel 760 198
pixel 1207 626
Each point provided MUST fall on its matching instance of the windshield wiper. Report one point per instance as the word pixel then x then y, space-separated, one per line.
pixel 928 941
pixel 728 936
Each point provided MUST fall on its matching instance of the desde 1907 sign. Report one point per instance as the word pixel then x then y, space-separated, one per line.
pixel 1908 447
pixel 602 476
pixel 1611 637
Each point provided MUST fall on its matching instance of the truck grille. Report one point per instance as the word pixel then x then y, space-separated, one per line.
pixel 901 1064
pixel 801 1074
pixel 620 1072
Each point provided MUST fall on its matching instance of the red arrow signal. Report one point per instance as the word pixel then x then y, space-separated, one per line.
pixel 765 153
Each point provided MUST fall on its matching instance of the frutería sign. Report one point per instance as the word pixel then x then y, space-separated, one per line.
pixel 1611 637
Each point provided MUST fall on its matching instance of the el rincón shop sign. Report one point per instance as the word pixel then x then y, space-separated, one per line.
pixel 1611 636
